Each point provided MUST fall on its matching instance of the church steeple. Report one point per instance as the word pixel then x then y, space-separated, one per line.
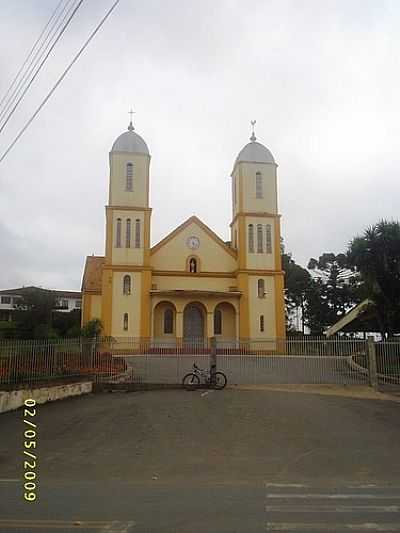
pixel 128 212
pixel 254 195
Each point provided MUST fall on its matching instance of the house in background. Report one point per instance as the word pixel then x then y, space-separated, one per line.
pixel 65 300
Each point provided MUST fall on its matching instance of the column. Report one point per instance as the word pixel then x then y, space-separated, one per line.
pixel 179 325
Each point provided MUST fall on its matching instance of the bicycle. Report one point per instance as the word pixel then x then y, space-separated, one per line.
pixel 192 380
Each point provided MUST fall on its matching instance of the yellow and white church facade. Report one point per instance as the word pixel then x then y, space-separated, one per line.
pixel 191 284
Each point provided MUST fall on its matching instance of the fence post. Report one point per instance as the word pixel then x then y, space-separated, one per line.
pixel 93 352
pixel 213 360
pixel 372 370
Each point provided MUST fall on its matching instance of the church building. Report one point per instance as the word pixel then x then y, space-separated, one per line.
pixel 191 284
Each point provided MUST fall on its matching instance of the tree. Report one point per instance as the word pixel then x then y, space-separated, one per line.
pixel 317 315
pixel 339 284
pixel 376 256
pixel 93 328
pixel 297 281
pixel 33 313
pixel 67 324
pixel 7 329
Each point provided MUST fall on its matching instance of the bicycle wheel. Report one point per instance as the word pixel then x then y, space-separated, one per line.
pixel 191 381
pixel 220 380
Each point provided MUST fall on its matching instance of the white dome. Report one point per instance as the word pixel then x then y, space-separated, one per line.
pixel 255 152
pixel 130 141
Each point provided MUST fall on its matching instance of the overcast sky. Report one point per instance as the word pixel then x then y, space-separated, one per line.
pixel 321 78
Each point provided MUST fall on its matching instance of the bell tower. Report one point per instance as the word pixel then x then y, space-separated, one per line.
pixel 128 211
pixel 126 275
pixel 255 233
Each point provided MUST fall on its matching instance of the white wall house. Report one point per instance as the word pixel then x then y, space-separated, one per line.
pixel 9 298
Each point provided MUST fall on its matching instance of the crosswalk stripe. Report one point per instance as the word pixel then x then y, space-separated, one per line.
pixel 332 508
pixel 290 526
pixel 103 526
pixel 349 496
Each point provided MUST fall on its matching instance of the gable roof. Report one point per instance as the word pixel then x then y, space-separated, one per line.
pixel 92 275
pixel 194 220
pixel 357 313
pixel 22 290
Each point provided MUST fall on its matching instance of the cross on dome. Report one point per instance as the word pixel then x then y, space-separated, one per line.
pixel 253 137
pixel 131 113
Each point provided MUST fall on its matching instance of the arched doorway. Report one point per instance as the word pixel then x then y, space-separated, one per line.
pixel 164 320
pixel 193 323
pixel 225 321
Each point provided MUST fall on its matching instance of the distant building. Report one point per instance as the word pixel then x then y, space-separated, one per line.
pixel 65 300
pixel 345 277
pixel 360 321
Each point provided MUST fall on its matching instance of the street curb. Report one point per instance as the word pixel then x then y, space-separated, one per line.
pixel 358 368
pixel 11 400
pixel 361 392
pixel 132 387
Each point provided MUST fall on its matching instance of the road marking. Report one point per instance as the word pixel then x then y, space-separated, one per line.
pixel 284 485
pixel 290 526
pixel 206 392
pixel 9 480
pixel 118 527
pixel 333 496
pixel 332 508
pixel 102 526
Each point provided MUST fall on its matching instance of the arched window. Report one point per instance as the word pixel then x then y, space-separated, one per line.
pixel 168 321
pixel 126 322
pixel 192 265
pixel 261 322
pixel 129 177
pixel 251 238
pixel 259 185
pixel 236 243
pixel 259 239
pixel 268 239
pixel 261 288
pixel 118 236
pixel 217 322
pixel 126 285
pixel 137 233
pixel 128 233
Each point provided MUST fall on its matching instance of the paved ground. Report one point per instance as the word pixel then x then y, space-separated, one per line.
pixel 189 462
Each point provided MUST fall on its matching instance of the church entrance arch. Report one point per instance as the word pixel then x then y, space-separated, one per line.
pixel 193 323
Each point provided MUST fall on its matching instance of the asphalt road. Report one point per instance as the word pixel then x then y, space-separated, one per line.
pixel 228 461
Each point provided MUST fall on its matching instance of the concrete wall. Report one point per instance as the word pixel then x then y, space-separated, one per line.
pixel 10 400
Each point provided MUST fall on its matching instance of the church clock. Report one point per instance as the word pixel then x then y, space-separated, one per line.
pixel 193 242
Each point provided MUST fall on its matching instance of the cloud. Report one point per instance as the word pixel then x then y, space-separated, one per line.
pixel 321 79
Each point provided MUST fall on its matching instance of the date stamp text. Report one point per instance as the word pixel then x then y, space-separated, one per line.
pixel 30 459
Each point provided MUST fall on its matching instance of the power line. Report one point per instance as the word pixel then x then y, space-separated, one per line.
pixel 12 97
pixel 41 64
pixel 51 34
pixel 60 79
pixel 30 53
